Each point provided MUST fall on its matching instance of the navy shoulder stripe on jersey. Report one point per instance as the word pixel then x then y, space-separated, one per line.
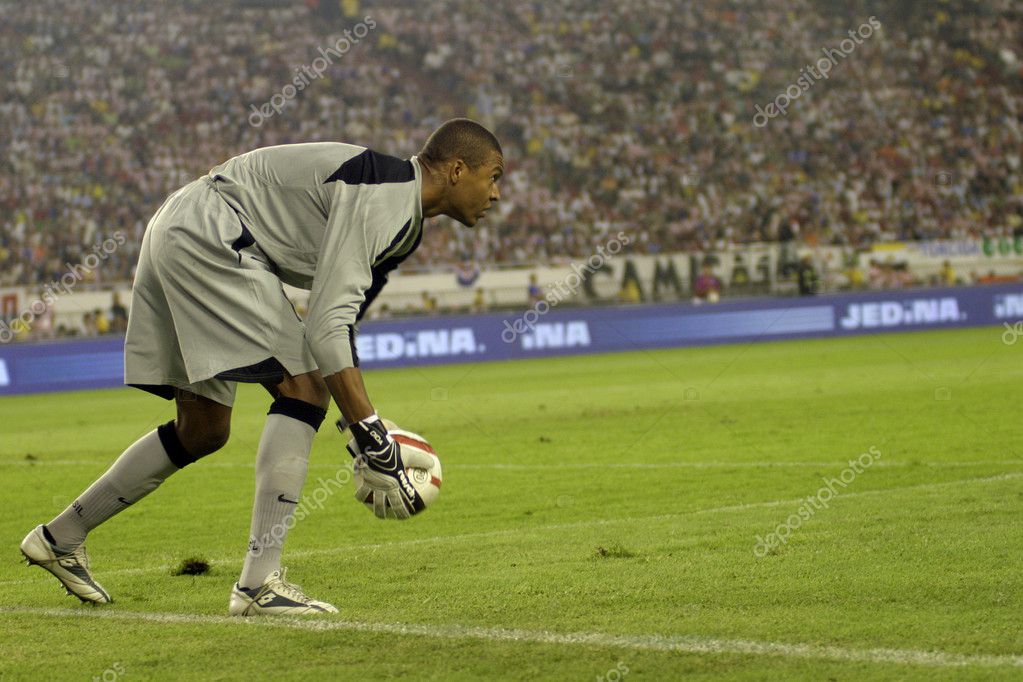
pixel 381 271
pixel 351 345
pixel 373 168
pixel 398 239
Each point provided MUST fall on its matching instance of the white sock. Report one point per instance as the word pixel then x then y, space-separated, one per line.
pixel 281 465
pixel 135 474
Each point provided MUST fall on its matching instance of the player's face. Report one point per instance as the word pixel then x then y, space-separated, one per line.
pixel 476 191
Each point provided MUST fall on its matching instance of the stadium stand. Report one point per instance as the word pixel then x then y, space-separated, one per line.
pixel 636 116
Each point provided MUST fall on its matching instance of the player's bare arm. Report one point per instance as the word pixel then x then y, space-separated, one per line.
pixel 349 392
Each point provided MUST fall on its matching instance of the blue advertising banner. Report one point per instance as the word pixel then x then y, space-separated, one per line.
pixel 543 331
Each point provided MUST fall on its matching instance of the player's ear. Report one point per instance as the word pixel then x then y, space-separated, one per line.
pixel 457 170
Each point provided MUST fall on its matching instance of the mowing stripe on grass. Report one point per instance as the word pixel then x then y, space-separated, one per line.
pixel 560 526
pixel 687 644
pixel 644 519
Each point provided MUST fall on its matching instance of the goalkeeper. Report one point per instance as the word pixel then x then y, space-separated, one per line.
pixel 208 310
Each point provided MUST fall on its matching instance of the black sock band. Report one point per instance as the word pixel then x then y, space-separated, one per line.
pixel 313 415
pixel 176 452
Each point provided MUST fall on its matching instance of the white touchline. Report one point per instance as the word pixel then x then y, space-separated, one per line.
pixel 726 465
pixel 349 549
pixel 683 644
pixel 105 463
pixel 573 465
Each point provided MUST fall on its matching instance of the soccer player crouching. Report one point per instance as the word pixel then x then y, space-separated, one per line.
pixel 208 311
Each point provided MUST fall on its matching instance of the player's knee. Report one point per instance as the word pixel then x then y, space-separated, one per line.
pixel 187 441
pixel 211 439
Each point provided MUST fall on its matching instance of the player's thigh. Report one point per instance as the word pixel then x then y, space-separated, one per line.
pixel 228 308
pixel 223 305
pixel 152 354
pixel 308 387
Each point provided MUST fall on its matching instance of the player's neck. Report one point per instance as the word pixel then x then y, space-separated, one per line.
pixel 433 194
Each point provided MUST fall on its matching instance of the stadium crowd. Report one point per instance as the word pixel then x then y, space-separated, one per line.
pixel 637 116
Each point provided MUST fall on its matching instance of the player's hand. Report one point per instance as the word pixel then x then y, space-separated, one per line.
pixel 383 470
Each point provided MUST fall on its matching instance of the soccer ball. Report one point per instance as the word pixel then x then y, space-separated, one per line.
pixel 426 481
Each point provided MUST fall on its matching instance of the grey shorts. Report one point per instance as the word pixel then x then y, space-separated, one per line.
pixel 207 309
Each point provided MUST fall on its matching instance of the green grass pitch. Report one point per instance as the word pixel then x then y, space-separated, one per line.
pixel 599 520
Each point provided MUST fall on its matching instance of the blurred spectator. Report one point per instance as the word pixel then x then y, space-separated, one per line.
pixel 89 324
pixel 118 315
pixel 534 291
pixel 853 271
pixel 44 327
pixel 707 287
pixel 740 273
pixel 479 303
pixel 101 322
pixel 947 275
pixel 467 273
pixel 827 274
pixel 806 277
pixel 630 292
pixel 428 304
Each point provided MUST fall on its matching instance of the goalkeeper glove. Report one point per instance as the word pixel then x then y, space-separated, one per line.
pixel 383 470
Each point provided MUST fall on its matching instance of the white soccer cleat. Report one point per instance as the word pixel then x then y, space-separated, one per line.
pixel 71 569
pixel 275 597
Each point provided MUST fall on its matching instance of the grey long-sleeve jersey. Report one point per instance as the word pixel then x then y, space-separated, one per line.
pixel 334 219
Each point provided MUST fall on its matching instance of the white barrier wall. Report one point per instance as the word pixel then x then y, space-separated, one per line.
pixel 664 277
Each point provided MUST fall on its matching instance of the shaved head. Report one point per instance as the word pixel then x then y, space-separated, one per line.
pixel 461 138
